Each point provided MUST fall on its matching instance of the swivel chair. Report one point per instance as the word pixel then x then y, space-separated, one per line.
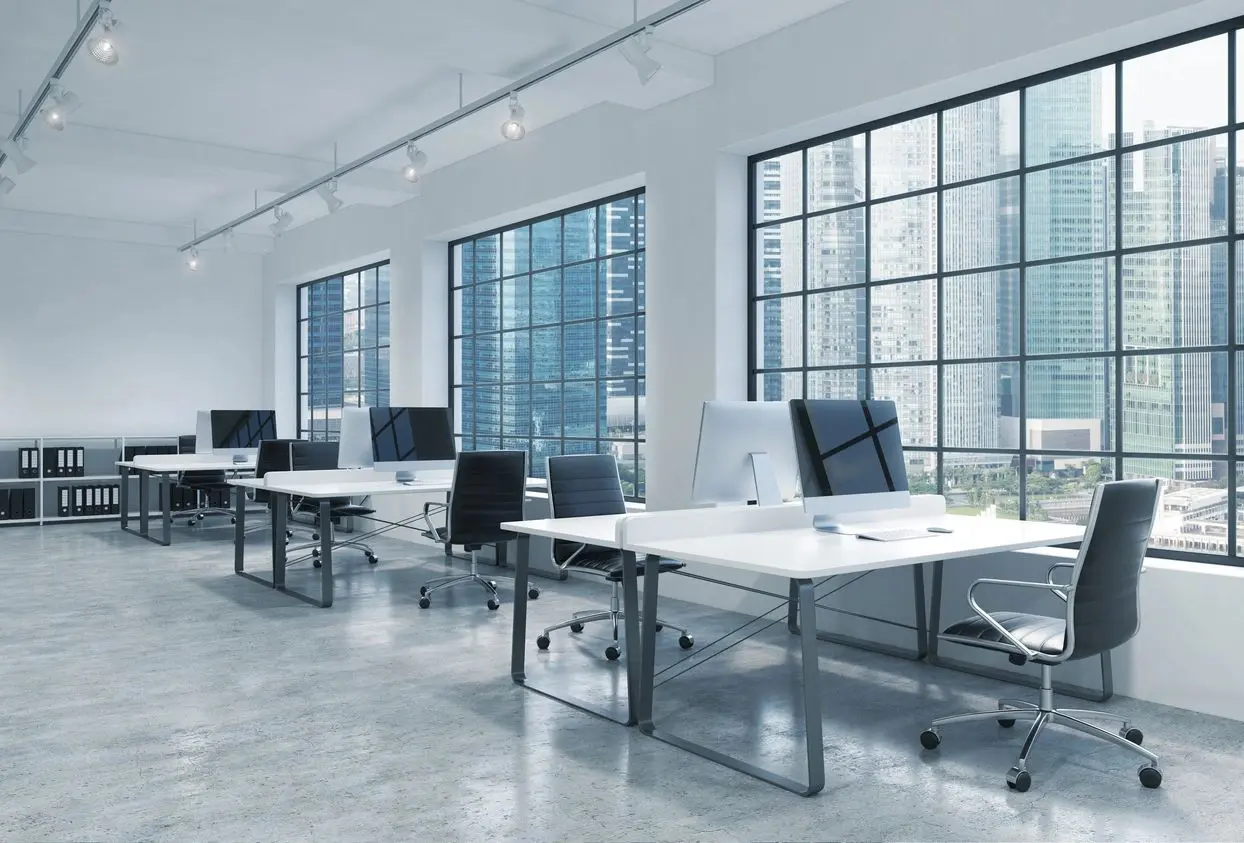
pixel 488 490
pixel 273 456
pixel 206 486
pixel 322 456
pixel 1102 611
pixel 588 484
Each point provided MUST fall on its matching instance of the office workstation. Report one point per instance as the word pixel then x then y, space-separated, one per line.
pixel 829 410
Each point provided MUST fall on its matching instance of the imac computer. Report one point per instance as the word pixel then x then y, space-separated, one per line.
pixel 203 432
pixel 354 449
pixel 850 458
pixel 237 433
pixel 746 453
pixel 406 439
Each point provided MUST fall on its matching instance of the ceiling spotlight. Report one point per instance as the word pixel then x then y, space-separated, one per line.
pixel 6 186
pixel 513 129
pixel 284 219
pixel 635 50
pixel 61 103
pixel 193 262
pixel 417 161
pixel 15 151
pixel 328 192
pixel 103 46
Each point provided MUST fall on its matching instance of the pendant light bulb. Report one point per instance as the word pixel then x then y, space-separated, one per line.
pixel 513 129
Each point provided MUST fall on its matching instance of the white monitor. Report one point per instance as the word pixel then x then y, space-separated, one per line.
pixel 850 458
pixel 203 432
pixel 237 433
pixel 408 439
pixel 354 449
pixel 746 453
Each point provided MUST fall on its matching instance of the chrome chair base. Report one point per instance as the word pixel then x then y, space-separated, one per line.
pixel 489 584
pixel 615 616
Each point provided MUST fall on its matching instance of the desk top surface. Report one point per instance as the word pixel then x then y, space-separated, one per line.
pixel 186 462
pixel 349 487
pixel 598 530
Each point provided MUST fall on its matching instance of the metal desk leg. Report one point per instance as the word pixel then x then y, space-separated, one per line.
pixel 239 529
pixel 813 734
pixel 920 627
pixel 166 507
pixel 518 643
pixel 1014 677
pixel 144 503
pixel 280 506
pixel 144 507
pixel 124 491
pixel 326 552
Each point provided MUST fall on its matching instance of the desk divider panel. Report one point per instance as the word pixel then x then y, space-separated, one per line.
pixel 710 521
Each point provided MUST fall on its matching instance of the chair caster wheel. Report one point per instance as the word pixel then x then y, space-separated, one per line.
pixel 1150 777
pixel 492 583
pixel 1134 735
pixel 317 563
pixel 543 642
pixel 423 589
pixel 686 642
pixel 493 604
pixel 424 602
pixel 533 593
pixel 233 520
pixel 372 559
pixel 660 627
pixel 576 627
pixel 612 653
pixel 1005 723
pixel 289 534
pixel 1020 780
pixel 315 551
pixel 930 739
pixel 315 537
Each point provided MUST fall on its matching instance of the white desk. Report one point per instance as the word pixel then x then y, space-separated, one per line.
pixel 165 466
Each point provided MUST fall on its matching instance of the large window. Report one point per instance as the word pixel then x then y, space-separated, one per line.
pixel 1042 276
pixel 343 348
pixel 548 337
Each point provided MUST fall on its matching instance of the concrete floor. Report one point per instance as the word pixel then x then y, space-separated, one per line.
pixel 147 693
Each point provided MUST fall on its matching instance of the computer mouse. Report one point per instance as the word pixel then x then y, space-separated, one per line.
pixel 940 530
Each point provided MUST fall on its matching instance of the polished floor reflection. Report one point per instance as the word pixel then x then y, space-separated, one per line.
pixel 147 693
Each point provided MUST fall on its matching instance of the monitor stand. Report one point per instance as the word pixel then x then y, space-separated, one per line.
pixel 828 524
pixel 768 492
pixel 239 459
pixel 406 477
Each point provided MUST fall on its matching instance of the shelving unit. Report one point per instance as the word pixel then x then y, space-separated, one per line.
pixel 101 455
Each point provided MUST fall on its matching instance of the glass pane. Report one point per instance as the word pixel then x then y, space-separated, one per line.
pixel 369 371
pixel 979 224
pixel 464 266
pixel 641 391
pixel 579 291
pixel 779 258
pixel 349 290
pixel 382 324
pixel 1060 488
pixel 546 243
pixel 304 336
pixel 836 249
pixel 516 356
pixel 546 297
pixel 367 286
pixel 541 450
pixel 616 227
pixel 487 417
pixel 1175 298
pixel 1069 117
pixel 980 404
pixel 1170 402
pixel 464 362
pixel 1070 405
pixel 618 398
pixel 382 275
pixel 382 378
pixel 617 357
pixel 904 157
pixel 980 138
pixel 488 306
pixel 779 187
pixel 836 328
pixel 619 286
pixel 980 314
pixel 641 281
pixel 1193 514
pixel 304 295
pixel 465 310
pixel 464 415
pixel 914 390
pixel 350 377
pixel 580 236
pixel 487 357
pixel 579 408
pixel 1172 192
pixel 516 302
pixel 836 174
pixel 516 251
pixel 516 410
pixel 982 484
pixel 641 344
pixel 488 258
pixel 1184 88
pixel 779 386
pixel 904 321
pixel 579 350
pixel 921 472
pixel 546 409
pixel 1070 307
pixel 546 354
pixel 641 216
pixel 779 333
pixel 368 333
pixel 903 238
pixel 1069 210
pixel 1239 293
pixel 837 383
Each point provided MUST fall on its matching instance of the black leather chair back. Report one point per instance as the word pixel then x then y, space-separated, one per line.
pixel 1106 603
pixel 313 456
pixel 273 456
pixel 488 489
pixel 580 485
pixel 186 444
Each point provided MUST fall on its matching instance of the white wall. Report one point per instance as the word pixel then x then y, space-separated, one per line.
pixel 109 338
pixel 863 60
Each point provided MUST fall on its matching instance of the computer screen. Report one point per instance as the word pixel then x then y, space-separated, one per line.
pixel 746 453
pixel 238 430
pixel 848 447
pixel 412 435
pixel 354 444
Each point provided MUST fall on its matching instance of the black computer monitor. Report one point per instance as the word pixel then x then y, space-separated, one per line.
pixel 850 456
pixel 404 439
pixel 240 431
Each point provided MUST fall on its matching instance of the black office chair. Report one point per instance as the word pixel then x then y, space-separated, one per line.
pixel 588 484
pixel 322 456
pixel 1102 611
pixel 205 485
pixel 273 456
pixel 488 490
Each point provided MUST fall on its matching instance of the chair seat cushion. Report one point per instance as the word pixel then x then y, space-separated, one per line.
pixel 609 563
pixel 1036 632
pixel 439 533
pixel 347 509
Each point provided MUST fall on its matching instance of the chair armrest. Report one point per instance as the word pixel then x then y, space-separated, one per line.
pixel 1063 591
pixel 561 566
pixel 1049 578
pixel 428 507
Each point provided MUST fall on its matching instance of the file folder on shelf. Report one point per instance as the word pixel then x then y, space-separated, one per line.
pixel 4 504
pixel 79 499
pixel 79 461
pixel 62 501
pixel 27 496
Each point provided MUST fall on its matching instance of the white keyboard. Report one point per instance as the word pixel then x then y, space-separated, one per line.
pixel 897 534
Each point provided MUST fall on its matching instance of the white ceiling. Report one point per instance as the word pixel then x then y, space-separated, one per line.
pixel 214 100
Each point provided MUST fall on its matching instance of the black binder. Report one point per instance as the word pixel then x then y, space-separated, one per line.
pixel 4 504
pixel 79 462
pixel 27 497
pixel 64 495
